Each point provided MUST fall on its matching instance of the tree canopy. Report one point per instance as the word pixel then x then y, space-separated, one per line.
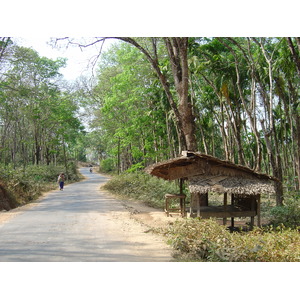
pixel 37 114
pixel 233 98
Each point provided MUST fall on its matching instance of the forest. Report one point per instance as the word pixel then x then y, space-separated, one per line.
pixel 233 98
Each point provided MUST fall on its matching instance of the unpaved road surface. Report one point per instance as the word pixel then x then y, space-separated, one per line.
pixel 80 224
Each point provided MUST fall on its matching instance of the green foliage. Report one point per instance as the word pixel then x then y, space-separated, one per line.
pixel 289 213
pixel 205 240
pixel 136 167
pixel 134 120
pixel 37 117
pixel 107 165
pixel 72 174
pixel 142 187
pixel 131 116
pixel 24 185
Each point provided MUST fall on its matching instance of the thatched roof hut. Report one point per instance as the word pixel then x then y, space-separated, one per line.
pixel 205 174
pixel 210 174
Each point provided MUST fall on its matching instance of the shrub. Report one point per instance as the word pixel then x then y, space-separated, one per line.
pixel 7 199
pixel 289 213
pixel 141 186
pixel 206 240
pixel 23 185
pixel 73 174
pixel 106 165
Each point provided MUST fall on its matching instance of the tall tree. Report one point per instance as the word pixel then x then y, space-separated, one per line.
pixel 131 109
pixel 239 98
pixel 32 109
pixel 177 49
pixel 178 55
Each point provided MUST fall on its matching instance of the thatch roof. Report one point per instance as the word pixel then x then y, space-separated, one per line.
pixel 234 185
pixel 207 173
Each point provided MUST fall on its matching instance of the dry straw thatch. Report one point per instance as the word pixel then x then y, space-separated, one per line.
pixel 233 185
pixel 207 173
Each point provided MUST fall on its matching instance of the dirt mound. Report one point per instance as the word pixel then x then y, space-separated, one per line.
pixel 6 200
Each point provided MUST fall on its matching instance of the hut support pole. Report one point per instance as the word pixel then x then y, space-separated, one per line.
pixel 232 204
pixel 182 200
pixel 258 211
pixel 198 207
pixel 195 209
pixel 225 208
pixel 181 185
pixel 167 207
pixel 252 208
pixel 232 222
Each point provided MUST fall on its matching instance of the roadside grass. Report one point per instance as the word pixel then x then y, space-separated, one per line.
pixel 142 187
pixel 20 186
pixel 207 241
pixel 195 239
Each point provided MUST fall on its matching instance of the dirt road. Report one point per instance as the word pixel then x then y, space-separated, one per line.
pixel 81 223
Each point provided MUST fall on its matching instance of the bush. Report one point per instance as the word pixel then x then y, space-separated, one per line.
pixel 106 165
pixel 206 240
pixel 7 199
pixel 73 174
pixel 289 213
pixel 143 187
pixel 197 239
pixel 39 173
pixel 24 185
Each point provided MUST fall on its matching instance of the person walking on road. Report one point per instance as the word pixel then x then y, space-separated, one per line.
pixel 61 181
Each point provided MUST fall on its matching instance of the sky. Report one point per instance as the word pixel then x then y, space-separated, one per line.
pixel 80 60
pixel 37 23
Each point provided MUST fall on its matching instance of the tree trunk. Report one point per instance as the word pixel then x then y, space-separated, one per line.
pixel 178 55
pixel 276 166
pixel 297 121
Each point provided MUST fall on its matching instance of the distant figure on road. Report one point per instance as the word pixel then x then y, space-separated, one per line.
pixel 61 181
pixel 91 170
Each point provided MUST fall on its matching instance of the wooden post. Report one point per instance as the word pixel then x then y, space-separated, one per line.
pixel 232 206
pixel 198 200
pixel 167 205
pixel 198 207
pixel 199 203
pixel 195 204
pixel 182 200
pixel 258 210
pixel 253 201
pixel 225 208
pixel 181 185
pixel 192 204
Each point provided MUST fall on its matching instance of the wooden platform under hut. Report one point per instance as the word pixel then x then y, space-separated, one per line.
pixel 241 186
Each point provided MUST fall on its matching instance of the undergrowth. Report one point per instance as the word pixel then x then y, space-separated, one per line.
pixel 143 187
pixel 289 213
pixel 206 240
pixel 20 186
